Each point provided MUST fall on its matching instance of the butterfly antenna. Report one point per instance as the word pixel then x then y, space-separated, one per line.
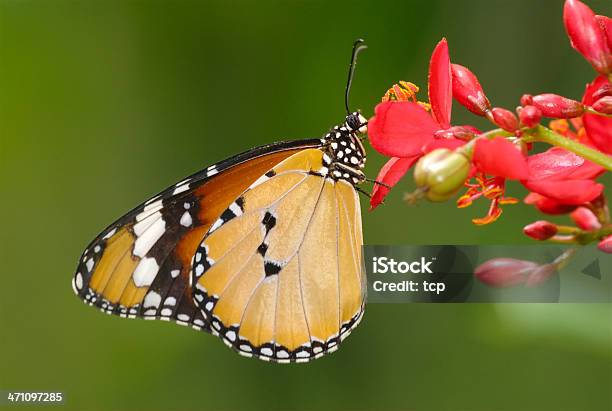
pixel 358 45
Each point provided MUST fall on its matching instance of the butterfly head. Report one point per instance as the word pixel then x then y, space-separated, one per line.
pixel 356 123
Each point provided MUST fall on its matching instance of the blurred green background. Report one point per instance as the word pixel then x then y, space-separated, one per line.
pixel 104 103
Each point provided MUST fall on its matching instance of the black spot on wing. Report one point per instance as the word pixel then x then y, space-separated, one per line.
pixel 271 268
pixel 262 249
pixel 269 221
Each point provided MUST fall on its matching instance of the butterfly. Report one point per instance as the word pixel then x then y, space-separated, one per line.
pixel 263 250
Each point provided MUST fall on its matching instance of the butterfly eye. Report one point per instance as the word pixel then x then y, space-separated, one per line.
pixel 352 120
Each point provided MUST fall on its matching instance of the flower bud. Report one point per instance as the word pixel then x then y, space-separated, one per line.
pixel 540 275
pixel 465 133
pixel 585 219
pixel 605 89
pixel 555 106
pixel 526 100
pixel 503 118
pixel 587 36
pixel 530 116
pixel 603 105
pixel 468 92
pixel 605 23
pixel 605 245
pixel 441 173
pixel 540 230
pixel 504 272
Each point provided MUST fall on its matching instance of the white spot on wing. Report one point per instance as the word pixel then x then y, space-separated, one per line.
pixel 149 209
pixel 78 281
pixel 235 209
pixel 148 238
pixel 110 234
pixel 141 226
pixel 186 220
pixel 145 272
pixel 174 273
pixel 180 189
pixel 259 181
pixel 152 299
pixel 216 225
pixel 89 264
pixel 170 301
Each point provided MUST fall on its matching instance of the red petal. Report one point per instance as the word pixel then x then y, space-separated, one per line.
pixel 598 128
pixel 586 35
pixel 547 205
pixel 400 128
pixel 390 174
pixel 568 192
pixel 440 84
pixel 501 158
pixel 558 164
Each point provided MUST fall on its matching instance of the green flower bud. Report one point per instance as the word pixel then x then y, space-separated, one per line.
pixel 441 173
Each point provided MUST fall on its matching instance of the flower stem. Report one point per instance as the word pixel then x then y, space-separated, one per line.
pixel 546 135
pixel 587 237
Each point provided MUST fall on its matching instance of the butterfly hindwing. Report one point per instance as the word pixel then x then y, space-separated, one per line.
pixel 279 275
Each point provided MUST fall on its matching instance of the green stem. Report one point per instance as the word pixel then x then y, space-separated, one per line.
pixel 546 135
pixel 587 237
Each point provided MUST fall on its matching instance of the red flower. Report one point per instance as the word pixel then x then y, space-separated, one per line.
pixel 598 128
pixel 406 130
pixel 587 35
pixel 563 177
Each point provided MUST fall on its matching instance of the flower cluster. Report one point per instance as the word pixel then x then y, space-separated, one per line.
pixel 447 157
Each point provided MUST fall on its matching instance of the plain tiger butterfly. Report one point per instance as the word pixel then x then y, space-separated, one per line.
pixel 262 250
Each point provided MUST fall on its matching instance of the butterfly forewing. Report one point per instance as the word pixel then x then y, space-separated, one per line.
pixel 140 265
